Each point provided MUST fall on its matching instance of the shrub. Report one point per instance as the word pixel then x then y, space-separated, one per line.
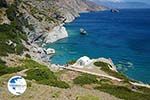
pixel 105 68
pixel 29 84
pixel 11 12
pixel 46 77
pixel 9 70
pixel 101 64
pixel 2 63
pixel 87 97
pixel 9 32
pixel 19 49
pixel 85 79
pixel 29 63
pixel 123 92
pixel 28 56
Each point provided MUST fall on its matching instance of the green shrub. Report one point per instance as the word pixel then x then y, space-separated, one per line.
pixel 105 67
pixel 28 56
pixel 101 64
pixel 29 84
pixel 85 79
pixel 9 70
pixel 10 32
pixel 3 3
pixel 11 12
pixel 19 49
pixel 2 63
pixel 29 64
pixel 123 92
pixel 87 97
pixel 40 74
pixel 46 77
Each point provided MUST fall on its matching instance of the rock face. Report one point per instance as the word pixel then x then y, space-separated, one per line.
pixel 57 33
pixel 42 18
pixel 72 8
pixel 3 17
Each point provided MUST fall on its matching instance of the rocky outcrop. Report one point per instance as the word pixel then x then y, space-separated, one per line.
pixel 43 20
pixel 57 33
pixel 3 17
pixel 72 8
pixel 46 16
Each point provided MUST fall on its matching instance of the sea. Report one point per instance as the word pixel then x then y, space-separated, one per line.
pixel 124 37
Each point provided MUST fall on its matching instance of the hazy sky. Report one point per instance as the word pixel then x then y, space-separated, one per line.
pixel 146 1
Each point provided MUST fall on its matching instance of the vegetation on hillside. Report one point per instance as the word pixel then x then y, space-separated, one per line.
pixel 38 72
pixel 8 70
pixel 87 97
pixel 105 67
pixel 121 91
pixel 42 74
pixel 85 79
pixel 46 77
pixel 11 33
pixel 124 92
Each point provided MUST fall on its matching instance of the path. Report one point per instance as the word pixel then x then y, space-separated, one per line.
pixel 92 73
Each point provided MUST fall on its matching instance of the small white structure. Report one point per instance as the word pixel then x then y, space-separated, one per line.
pixel 9 42
pixel 50 51
pixel 82 62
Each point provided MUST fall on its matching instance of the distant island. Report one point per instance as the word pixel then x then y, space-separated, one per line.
pixel 125 5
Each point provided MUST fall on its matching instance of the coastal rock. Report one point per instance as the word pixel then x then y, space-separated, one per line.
pixel 85 62
pixel 42 20
pixel 50 51
pixel 3 17
pixel 57 33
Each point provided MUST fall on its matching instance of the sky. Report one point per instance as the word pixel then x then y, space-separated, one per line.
pixel 145 1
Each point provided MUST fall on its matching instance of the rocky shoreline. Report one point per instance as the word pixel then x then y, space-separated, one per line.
pixel 47 26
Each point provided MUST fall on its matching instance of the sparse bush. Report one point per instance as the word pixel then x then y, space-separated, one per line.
pixel 85 79
pixel 28 56
pixel 29 84
pixel 105 68
pixel 87 97
pixel 123 92
pixel 11 12
pixel 9 70
pixel 101 64
pixel 2 63
pixel 46 77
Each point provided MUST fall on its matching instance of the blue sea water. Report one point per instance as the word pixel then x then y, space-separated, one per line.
pixel 124 37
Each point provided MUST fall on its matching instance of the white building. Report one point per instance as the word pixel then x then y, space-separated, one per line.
pixel 82 62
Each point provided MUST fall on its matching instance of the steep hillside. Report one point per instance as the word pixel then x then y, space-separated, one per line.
pixel 36 22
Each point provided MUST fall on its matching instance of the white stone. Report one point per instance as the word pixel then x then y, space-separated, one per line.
pixel 57 33
pixel 9 42
pixel 50 51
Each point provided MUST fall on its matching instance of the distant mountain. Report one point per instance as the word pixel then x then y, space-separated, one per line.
pixel 122 5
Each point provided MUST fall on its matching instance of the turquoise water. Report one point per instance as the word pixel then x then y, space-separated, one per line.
pixel 124 37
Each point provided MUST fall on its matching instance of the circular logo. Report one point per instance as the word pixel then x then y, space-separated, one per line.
pixel 17 85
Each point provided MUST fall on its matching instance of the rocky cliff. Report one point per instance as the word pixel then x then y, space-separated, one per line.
pixel 40 21
pixel 41 16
